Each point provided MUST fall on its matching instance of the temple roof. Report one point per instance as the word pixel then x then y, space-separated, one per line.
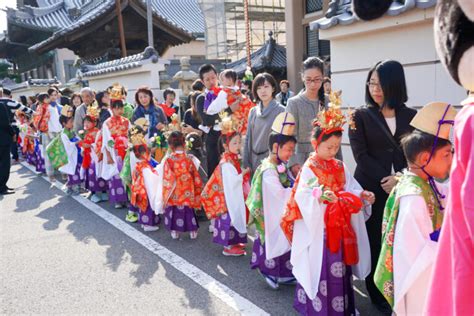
pixel 340 12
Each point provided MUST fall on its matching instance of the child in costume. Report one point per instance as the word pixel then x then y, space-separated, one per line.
pixel 63 152
pixel 223 197
pixel 113 145
pixel 26 137
pixel 270 191
pixel 223 97
pixel 324 224
pixel 179 188
pixel 144 180
pixel 414 212
pixel 97 186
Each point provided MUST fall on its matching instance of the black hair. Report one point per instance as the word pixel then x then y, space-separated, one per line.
pixel 392 82
pixel 23 100
pixel 318 130
pixel 64 119
pixel 7 92
pixel 98 98
pixel 224 139
pixel 51 90
pixel 280 139
pixel 248 83
pixel 90 119
pixel 116 104
pixel 230 74
pixel 198 85
pixel 417 142
pixel 176 139
pixel 140 150
pixel 205 69
pixel 196 143
pixel 167 92
pixel 316 63
pixel 42 96
pixel 260 81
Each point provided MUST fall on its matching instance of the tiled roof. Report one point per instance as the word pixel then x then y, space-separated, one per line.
pixel 35 83
pixel 129 62
pixel 270 55
pixel 344 15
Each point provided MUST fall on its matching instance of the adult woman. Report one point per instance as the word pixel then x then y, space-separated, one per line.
pixel 103 101
pixel 375 143
pixel 76 100
pixel 260 121
pixel 304 107
pixel 191 118
pixel 146 108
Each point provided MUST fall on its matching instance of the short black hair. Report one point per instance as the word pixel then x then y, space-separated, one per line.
pixel 140 150
pixel 204 69
pixel 280 139
pixel 230 74
pixel 224 139
pixel 318 130
pixel 392 82
pixel 7 92
pixel 64 119
pixel 198 85
pixel 51 90
pixel 116 104
pixel 176 139
pixel 194 140
pixel 98 98
pixel 260 81
pixel 248 83
pixel 42 96
pixel 167 92
pixel 417 142
pixel 23 100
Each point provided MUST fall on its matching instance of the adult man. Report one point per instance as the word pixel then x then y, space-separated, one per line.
pixel 87 96
pixel 6 138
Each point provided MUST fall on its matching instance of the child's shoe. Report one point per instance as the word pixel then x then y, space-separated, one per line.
pixel 174 234
pixel 233 251
pixel 119 205
pixel 193 234
pixel 149 228
pixel 131 217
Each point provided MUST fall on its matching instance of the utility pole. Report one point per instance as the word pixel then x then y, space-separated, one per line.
pixel 118 9
pixel 149 20
pixel 247 31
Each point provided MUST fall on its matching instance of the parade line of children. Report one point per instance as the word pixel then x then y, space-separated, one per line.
pixel 310 231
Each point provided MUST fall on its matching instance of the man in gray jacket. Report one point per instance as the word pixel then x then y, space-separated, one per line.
pixel 87 98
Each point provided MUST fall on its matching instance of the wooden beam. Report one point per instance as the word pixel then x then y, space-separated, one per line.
pixel 121 31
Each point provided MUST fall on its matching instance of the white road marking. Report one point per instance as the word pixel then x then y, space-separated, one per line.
pixel 224 293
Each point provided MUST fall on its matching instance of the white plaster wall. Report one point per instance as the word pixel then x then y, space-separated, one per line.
pixel 194 48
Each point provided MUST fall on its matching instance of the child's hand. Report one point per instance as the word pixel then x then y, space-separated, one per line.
pixel 368 196
pixel 328 196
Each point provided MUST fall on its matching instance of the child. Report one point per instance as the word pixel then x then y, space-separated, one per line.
pixel 324 226
pixel 227 96
pixel 63 152
pixel 223 196
pixel 414 212
pixel 168 106
pixel 113 148
pixel 97 186
pixel 144 181
pixel 179 188
pixel 271 189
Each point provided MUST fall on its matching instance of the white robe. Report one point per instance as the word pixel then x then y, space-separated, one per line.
pixel 274 198
pixel 413 255
pixel 308 235
pixel 234 196
pixel 108 171
pixel 219 104
pixel 71 152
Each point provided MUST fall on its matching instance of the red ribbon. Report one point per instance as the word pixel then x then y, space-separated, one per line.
pixel 120 146
pixel 328 131
pixel 338 226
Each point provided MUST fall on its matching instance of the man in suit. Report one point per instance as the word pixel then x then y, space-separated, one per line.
pixel 6 139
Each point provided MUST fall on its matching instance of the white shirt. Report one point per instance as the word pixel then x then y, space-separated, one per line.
pixel 53 124
pixel 392 124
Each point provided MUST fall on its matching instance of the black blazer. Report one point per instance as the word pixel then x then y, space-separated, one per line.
pixel 372 149
pixel 6 130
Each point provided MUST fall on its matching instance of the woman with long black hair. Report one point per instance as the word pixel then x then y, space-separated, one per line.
pixel 375 143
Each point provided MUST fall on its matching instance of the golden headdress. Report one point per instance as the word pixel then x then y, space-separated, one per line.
pixel 331 119
pixel 227 124
pixel 67 111
pixel 116 92
pixel 136 135
pixel 92 112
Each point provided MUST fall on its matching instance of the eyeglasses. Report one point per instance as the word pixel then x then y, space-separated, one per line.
pixel 317 80
pixel 373 85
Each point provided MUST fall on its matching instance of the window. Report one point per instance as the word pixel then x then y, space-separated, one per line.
pixel 313 6
pixel 312 42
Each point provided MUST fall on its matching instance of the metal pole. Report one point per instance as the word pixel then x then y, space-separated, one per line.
pixel 118 9
pixel 149 20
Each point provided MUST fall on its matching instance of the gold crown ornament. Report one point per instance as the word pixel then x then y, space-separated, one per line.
pixel 92 112
pixel 227 124
pixel 435 118
pixel 332 118
pixel 284 124
pixel 116 92
pixel 136 135
pixel 143 123
pixel 67 111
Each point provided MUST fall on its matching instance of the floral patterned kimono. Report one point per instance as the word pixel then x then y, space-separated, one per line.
pixel 178 191
pixel 329 241
pixel 89 162
pixel 114 140
pixel 223 199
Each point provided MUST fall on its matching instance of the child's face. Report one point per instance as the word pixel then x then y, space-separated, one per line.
pixel 69 124
pixel 117 111
pixel 440 164
pixel 265 92
pixel 227 82
pixel 235 144
pixel 170 98
pixel 88 125
pixel 286 151
pixel 329 148
pixel 47 100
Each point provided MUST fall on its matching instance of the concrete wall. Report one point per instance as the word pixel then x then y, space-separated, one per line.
pixel 407 38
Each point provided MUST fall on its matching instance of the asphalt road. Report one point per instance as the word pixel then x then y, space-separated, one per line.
pixel 58 256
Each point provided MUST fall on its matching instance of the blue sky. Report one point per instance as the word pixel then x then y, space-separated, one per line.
pixel 3 16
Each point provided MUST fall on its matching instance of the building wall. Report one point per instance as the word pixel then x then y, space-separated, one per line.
pixel 194 49
pixel 408 39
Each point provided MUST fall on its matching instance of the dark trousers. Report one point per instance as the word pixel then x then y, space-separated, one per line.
pixel 212 151
pixel 14 146
pixel 4 167
pixel 374 230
